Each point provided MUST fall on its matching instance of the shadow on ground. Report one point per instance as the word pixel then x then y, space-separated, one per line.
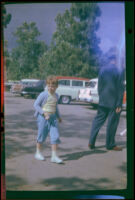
pixel 13 181
pixel 78 155
pixel 76 183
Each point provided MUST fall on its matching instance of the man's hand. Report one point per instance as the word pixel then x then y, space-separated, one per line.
pixel 118 109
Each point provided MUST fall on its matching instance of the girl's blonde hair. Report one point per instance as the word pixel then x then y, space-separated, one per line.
pixel 52 80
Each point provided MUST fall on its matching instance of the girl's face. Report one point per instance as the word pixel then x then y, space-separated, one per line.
pixel 51 88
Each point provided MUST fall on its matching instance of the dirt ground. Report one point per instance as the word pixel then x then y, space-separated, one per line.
pixel 83 169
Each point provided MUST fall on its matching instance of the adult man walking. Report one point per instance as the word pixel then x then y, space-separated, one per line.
pixel 110 90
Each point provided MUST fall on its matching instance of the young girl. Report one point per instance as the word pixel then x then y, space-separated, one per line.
pixel 46 106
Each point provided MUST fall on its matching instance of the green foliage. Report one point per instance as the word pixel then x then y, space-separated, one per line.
pixel 73 50
pixel 64 60
pixel 12 70
pixel 69 53
pixel 6 18
pixel 29 49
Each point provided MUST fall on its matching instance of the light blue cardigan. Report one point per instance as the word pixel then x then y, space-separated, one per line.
pixel 40 101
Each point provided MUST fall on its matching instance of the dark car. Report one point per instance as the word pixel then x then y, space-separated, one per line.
pixel 34 90
pixel 10 84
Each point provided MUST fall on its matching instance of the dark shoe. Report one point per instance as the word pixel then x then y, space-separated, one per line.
pixel 91 146
pixel 116 148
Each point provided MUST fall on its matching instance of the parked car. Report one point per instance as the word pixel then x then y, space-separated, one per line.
pixel 90 94
pixel 9 84
pixel 85 93
pixel 33 90
pixel 94 93
pixel 69 87
pixel 17 88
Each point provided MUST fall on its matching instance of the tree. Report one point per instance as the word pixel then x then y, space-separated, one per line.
pixel 72 51
pixel 87 14
pixel 28 51
pixel 6 53
pixel 61 60
pixel 6 18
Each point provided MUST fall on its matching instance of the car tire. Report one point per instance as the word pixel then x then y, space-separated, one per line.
pixel 65 99
pixel 95 106
pixel 33 96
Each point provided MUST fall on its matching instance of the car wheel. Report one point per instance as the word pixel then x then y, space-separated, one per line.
pixel 65 99
pixel 95 106
pixel 33 96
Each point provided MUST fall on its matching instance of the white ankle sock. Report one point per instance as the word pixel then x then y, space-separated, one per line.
pixel 38 151
pixel 54 154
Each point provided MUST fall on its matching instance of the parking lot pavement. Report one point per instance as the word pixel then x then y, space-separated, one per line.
pixel 83 169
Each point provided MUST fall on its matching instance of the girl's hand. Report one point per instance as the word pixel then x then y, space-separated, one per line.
pixel 46 116
pixel 60 120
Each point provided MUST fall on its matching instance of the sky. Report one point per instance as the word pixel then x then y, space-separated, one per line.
pixel 112 21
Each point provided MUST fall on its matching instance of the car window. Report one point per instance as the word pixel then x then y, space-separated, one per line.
pixel 87 84
pixel 28 83
pixel 64 82
pixel 77 83
pixel 24 83
pixel 92 84
pixel 40 83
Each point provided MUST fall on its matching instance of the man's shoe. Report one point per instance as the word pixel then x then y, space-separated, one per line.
pixel 56 159
pixel 91 146
pixel 39 156
pixel 116 148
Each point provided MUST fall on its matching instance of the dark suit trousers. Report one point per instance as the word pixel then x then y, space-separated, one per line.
pixel 113 119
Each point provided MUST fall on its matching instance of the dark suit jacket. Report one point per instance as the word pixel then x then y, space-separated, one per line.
pixel 110 86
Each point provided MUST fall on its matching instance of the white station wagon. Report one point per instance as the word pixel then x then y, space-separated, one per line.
pixel 69 87
pixel 90 94
pixel 87 94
